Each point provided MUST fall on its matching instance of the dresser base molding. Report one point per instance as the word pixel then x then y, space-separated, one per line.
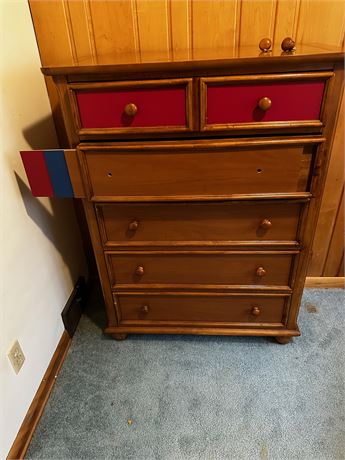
pixel 120 333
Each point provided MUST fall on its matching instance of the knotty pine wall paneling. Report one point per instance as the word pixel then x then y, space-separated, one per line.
pixel 329 237
pixel 100 31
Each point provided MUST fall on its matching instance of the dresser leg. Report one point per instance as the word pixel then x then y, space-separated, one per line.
pixel 119 336
pixel 283 339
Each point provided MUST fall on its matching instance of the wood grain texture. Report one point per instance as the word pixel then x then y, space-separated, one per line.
pixel 182 308
pixel 53 36
pixel 325 282
pixel 114 30
pixel 195 268
pixel 335 250
pixel 79 28
pixel 341 268
pixel 153 28
pixel 101 264
pixel 88 31
pixel 321 22
pixel 180 29
pixel 56 111
pixel 213 25
pixel 323 247
pixel 257 21
pixel 74 173
pixel 257 170
pixel 286 19
pixel 92 32
pixel 268 329
pixel 23 438
pixel 185 224
pixel 308 222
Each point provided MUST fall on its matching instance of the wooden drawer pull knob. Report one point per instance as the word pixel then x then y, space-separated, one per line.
pixel 288 44
pixel 264 103
pixel 265 44
pixel 260 271
pixel 256 311
pixel 131 109
pixel 133 226
pixel 145 309
pixel 266 224
pixel 139 270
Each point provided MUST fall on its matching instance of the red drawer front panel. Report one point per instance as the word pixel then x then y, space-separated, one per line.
pixel 156 107
pixel 37 172
pixel 290 101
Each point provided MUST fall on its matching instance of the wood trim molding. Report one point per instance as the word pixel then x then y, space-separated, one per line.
pixel 325 282
pixel 269 332
pixel 184 145
pixel 217 67
pixel 26 431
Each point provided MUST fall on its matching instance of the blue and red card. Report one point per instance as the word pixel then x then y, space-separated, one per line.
pixel 47 173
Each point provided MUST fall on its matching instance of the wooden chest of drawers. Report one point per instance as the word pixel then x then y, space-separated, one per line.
pixel 201 183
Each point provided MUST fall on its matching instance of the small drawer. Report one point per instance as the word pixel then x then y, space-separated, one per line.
pixel 263 101
pixel 197 171
pixel 178 308
pixel 198 223
pixel 130 107
pixel 198 269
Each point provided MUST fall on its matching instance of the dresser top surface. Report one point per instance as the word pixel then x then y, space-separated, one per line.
pixel 186 59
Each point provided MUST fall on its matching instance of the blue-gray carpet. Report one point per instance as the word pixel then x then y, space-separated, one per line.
pixel 201 397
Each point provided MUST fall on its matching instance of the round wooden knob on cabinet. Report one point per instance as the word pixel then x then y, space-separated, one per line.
pixel 130 109
pixel 139 270
pixel 266 224
pixel 260 271
pixel 264 103
pixel 133 226
pixel 265 44
pixel 288 44
pixel 256 311
pixel 145 309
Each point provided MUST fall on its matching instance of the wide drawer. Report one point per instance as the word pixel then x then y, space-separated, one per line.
pixel 203 170
pixel 262 101
pixel 204 268
pixel 177 308
pixel 181 224
pixel 128 107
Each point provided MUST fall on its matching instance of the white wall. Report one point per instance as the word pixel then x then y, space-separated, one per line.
pixel 40 250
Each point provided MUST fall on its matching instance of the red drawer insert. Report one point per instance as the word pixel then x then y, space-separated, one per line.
pixel 238 103
pixel 155 107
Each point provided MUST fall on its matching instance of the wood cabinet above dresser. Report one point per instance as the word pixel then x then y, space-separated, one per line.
pixel 201 183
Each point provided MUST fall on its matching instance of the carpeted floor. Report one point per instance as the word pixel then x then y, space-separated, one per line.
pixel 201 397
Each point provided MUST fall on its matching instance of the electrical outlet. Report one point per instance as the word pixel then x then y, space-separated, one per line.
pixel 16 357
